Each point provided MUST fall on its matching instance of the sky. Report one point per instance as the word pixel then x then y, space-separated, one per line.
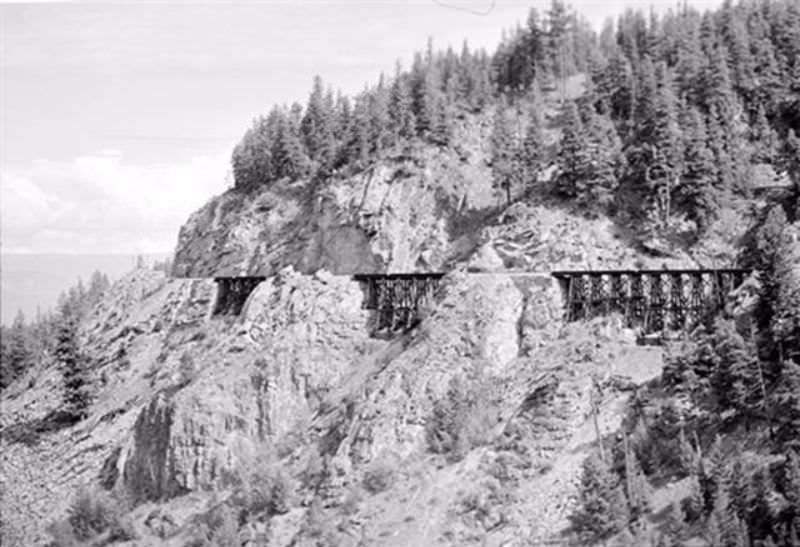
pixel 117 120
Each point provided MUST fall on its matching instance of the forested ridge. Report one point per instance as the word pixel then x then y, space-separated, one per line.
pixel 678 110
pixel 681 119
pixel 683 116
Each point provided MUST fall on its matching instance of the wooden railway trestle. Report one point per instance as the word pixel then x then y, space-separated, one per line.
pixel 652 300
pixel 398 298
pixel 232 293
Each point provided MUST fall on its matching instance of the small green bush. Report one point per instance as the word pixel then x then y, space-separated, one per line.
pixel 93 512
pixel 379 476
pixel 225 532
pixel 463 419
pixel 264 487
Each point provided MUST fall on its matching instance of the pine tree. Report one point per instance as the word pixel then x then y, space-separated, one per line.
pixel 695 193
pixel 571 153
pixel 637 488
pixel 289 155
pixel 601 160
pixel 785 323
pixel 532 149
pixel 693 505
pixel 379 120
pixel 764 137
pixel 675 531
pixel 317 127
pixel 72 363
pixel 559 41
pixel 18 352
pixel 785 401
pixel 789 162
pixel 734 380
pixel 505 168
pixel 359 147
pixel 252 158
pixel 403 122
pixel 791 485
pixel 724 527
pixel 602 511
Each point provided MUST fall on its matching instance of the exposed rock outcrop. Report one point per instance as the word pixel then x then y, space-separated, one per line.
pixel 406 213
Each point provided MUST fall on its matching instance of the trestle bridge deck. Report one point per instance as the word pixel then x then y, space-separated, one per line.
pixel 651 300
pixel 398 298
pixel 232 293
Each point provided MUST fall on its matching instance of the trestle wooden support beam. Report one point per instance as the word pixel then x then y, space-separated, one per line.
pixel 232 293
pixel 396 299
pixel 653 300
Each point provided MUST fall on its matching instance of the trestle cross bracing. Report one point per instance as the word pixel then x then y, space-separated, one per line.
pixel 653 300
pixel 232 293
pixel 397 299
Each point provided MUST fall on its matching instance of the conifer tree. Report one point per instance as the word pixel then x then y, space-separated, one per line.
pixel 532 149
pixel 380 130
pixel 735 380
pixel 558 40
pixel 785 323
pixel 602 511
pixel 786 404
pixel 675 531
pixel 252 157
pixel 72 363
pixel 637 488
pixel 358 146
pixel 601 159
pixel 505 168
pixel 789 162
pixel 17 354
pixel 342 128
pixel 571 153
pixel 764 137
pixel 289 156
pixel 317 127
pixel 696 194
pixel 693 505
pixel 403 122
pixel 791 485
pixel 691 61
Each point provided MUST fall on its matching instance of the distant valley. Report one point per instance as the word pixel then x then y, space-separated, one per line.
pixel 31 281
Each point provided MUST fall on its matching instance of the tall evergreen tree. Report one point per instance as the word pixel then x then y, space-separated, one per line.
pixel 696 194
pixel 252 157
pixel 18 351
pixel 532 149
pixel 317 127
pixel 289 155
pixel 359 146
pixel 401 107
pixel 601 511
pixel 77 395
pixel 380 123
pixel 572 156
pixel 505 168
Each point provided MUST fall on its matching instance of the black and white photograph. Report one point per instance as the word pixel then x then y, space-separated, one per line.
pixel 400 273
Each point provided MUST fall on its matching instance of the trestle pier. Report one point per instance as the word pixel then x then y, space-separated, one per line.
pixel 398 298
pixel 653 300
pixel 232 293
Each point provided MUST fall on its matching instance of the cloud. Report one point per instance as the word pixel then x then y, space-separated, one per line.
pixel 100 204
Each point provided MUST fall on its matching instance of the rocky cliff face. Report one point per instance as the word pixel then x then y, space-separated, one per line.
pixel 405 213
pixel 186 399
pixel 469 429
pixel 180 395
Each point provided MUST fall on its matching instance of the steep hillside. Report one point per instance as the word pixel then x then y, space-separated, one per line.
pixel 184 400
pixel 491 422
